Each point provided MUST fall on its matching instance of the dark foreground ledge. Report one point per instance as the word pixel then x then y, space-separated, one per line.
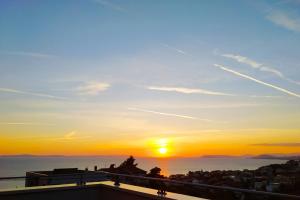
pixel 93 191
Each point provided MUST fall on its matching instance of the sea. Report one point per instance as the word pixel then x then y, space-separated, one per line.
pixel 19 165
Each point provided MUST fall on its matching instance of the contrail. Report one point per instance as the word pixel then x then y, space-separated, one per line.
pixel 169 114
pixel 175 49
pixel 30 93
pixel 257 81
pixel 26 123
pixel 30 54
pixel 256 65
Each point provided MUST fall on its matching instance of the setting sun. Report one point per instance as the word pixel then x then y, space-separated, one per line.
pixel 163 150
pixel 161 147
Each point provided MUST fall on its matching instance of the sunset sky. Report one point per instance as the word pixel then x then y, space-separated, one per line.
pixel 149 78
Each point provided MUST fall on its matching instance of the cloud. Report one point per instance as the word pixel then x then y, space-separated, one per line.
pixel 243 59
pixel 259 66
pixel 9 90
pixel 187 90
pixel 233 105
pixel 282 19
pixel 288 144
pixel 257 81
pixel 175 49
pixel 111 5
pixel 92 88
pixel 29 54
pixel 70 135
pixel 64 138
pixel 264 96
pixel 169 114
pixel 205 92
pixel 26 124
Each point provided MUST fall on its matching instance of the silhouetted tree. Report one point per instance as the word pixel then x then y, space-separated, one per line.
pixel 112 166
pixel 129 162
pixel 155 172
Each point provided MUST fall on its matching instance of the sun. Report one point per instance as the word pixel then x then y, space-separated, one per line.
pixel 161 147
pixel 162 150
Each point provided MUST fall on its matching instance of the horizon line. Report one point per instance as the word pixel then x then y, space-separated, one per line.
pixel 159 157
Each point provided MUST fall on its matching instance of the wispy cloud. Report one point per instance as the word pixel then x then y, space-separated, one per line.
pixel 205 92
pixel 287 144
pixel 111 5
pixel 229 106
pixel 243 59
pixel 264 96
pixel 9 90
pixel 26 124
pixel 175 49
pixel 259 66
pixel 29 54
pixel 168 114
pixel 63 138
pixel 92 88
pixel 257 81
pixel 187 90
pixel 284 20
pixel 70 136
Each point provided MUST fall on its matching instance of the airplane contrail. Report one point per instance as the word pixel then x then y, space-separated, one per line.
pixel 257 81
pixel 9 90
pixel 169 114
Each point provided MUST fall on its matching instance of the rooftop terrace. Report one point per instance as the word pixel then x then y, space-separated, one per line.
pixel 96 190
pixel 120 186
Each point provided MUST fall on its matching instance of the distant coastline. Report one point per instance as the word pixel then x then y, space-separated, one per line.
pixel 295 156
pixel 287 157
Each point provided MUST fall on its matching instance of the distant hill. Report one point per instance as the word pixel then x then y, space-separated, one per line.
pixel 278 157
pixel 220 156
pixel 28 156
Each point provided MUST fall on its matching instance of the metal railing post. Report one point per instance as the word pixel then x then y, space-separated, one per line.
pixel 117 181
pixel 243 196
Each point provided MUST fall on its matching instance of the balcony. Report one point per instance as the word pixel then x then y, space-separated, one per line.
pixel 91 191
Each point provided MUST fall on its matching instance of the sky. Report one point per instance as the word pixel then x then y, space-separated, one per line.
pixel 149 78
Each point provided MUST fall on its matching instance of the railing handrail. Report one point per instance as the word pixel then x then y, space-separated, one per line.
pixel 228 188
pixel 205 185
pixel 12 177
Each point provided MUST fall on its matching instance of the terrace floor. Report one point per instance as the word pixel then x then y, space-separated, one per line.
pixel 92 191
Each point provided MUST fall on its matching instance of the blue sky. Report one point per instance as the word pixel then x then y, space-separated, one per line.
pixel 152 68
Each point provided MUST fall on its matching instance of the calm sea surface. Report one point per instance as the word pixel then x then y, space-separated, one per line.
pixel 17 166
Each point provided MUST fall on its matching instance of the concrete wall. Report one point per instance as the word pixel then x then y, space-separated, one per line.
pixel 91 192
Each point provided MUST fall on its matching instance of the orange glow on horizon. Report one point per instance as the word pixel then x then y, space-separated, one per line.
pixel 225 143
